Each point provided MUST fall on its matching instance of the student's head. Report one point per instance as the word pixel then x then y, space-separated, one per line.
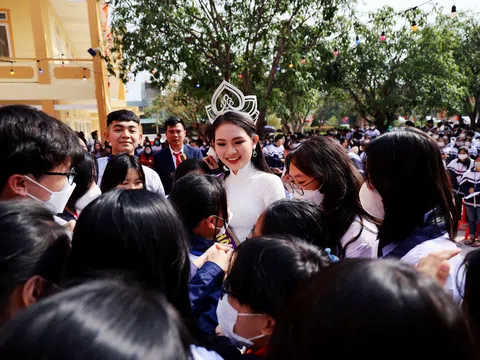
pixel 137 232
pixel 123 131
pixel 197 166
pixel 97 147
pixel 293 218
pixel 201 200
pixel 357 304
pixel 175 132
pixel 463 154
pixel 405 167
pixel 148 149
pixel 108 149
pixel 471 293
pixel 236 142
pixel 33 253
pixel 264 274
pixel 36 154
pixel 321 169
pixel 279 140
pixel 123 171
pixel 85 180
pixel 99 320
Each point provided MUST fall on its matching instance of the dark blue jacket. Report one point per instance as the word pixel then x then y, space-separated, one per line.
pixel 205 288
pixel 471 179
pixel 165 167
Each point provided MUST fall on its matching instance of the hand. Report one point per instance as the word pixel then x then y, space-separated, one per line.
pixel 277 171
pixel 221 258
pixel 219 331
pixel 70 225
pixel 471 190
pixel 436 265
pixel 211 162
pixel 198 262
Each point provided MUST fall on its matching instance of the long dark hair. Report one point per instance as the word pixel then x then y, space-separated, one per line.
pixel 356 303
pixel 197 197
pixel 99 320
pixel 470 271
pixel 406 168
pixel 117 170
pixel 31 244
pixel 138 233
pixel 247 124
pixel 87 173
pixel 328 162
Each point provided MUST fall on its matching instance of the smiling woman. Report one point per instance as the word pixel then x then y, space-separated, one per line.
pixel 250 185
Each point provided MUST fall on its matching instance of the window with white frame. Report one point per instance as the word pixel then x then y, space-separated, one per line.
pixel 5 36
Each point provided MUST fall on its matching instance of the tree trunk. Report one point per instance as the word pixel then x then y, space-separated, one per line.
pixel 261 122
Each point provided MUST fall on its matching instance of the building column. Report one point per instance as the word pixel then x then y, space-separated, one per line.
pixel 39 39
pixel 48 106
pixel 99 68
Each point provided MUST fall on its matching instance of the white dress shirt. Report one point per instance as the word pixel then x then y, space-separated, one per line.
pixel 430 246
pixel 174 158
pixel 152 180
pixel 366 246
pixel 249 192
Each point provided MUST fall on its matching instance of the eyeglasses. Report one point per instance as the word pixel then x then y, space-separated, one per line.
pixel 224 221
pixel 70 175
pixel 293 186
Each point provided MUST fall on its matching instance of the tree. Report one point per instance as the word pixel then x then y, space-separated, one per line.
pixel 408 70
pixel 201 42
pixel 468 60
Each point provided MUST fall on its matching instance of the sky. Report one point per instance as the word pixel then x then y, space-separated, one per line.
pixel 134 89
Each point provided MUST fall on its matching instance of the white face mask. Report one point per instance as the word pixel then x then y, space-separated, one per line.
pixel 314 196
pixel 372 127
pixel 93 193
pixel 58 200
pixel 468 143
pixel 227 318
pixel 461 136
pixel 462 156
pixel 435 136
pixel 441 144
pixel 372 202
pixel 459 143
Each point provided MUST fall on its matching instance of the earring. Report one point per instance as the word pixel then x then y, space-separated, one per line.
pixel 254 153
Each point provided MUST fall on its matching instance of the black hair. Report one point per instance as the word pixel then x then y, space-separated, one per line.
pixel 406 168
pixel 190 165
pixel 246 123
pixel 470 272
pixel 255 279
pixel 359 304
pixel 197 197
pixel 101 147
pixel 137 232
pixel 31 244
pixel 32 142
pixel 172 121
pixel 100 320
pixel 278 137
pixel 121 116
pixel 117 169
pixel 86 174
pixel 328 162
pixel 296 218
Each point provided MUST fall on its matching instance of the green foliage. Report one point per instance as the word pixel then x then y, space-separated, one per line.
pixel 205 41
pixel 410 70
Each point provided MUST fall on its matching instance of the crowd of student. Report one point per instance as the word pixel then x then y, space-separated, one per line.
pixel 224 258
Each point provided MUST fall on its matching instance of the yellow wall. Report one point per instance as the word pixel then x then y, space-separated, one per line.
pixel 21 27
pixel 53 24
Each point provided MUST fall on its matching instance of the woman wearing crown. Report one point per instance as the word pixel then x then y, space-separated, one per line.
pixel 250 184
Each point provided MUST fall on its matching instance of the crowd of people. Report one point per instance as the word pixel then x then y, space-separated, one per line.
pixel 294 246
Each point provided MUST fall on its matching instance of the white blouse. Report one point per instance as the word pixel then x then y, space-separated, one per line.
pixel 366 246
pixel 249 192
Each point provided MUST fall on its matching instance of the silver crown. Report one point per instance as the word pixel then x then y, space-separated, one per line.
pixel 237 102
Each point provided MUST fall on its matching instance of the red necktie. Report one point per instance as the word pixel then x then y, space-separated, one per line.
pixel 178 158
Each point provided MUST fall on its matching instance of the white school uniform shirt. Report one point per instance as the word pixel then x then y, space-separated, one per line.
pixel 152 180
pixel 249 193
pixel 366 246
pixel 434 245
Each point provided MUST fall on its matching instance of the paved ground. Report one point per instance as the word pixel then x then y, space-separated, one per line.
pixel 460 239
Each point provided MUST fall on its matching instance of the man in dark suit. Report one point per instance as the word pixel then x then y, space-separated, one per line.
pixel 167 160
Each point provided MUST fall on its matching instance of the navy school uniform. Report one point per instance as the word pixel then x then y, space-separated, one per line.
pixel 456 169
pixel 471 179
pixel 205 287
